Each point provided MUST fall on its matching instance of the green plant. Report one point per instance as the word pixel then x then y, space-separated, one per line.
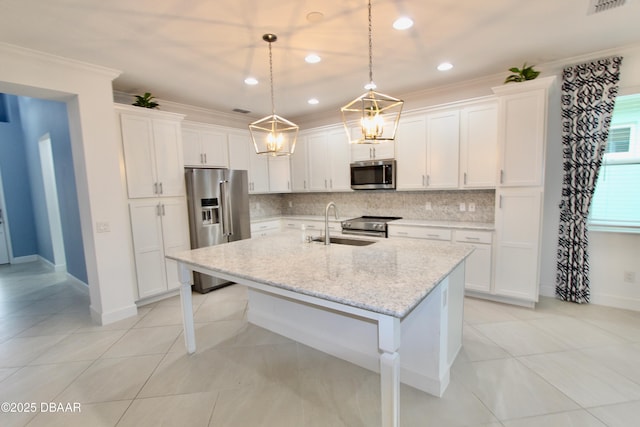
pixel 522 74
pixel 145 101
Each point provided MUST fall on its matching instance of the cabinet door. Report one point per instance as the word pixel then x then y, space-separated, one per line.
pixel 518 213
pixel 477 270
pixel 384 150
pixel 279 175
pixel 299 179
pixel 411 153
pixel 239 151
pixel 214 149
pixel 168 157
pixel 147 246
pixel 361 152
pixel 318 161
pixel 258 173
pixel 479 146
pixel 521 138
pixel 175 235
pixel 339 152
pixel 443 141
pixel 192 154
pixel 140 165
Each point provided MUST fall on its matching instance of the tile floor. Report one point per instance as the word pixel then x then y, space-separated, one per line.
pixel 559 365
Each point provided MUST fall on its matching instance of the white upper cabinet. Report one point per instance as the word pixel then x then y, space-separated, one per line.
pixel 427 151
pixel 362 152
pixel 279 174
pixel 411 153
pixel 328 154
pixel 443 136
pixel 152 148
pixel 299 169
pixel 479 145
pixel 204 146
pixel 242 155
pixel 522 132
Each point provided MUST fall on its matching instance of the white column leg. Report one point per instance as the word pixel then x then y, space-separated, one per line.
pixel 389 344
pixel 187 308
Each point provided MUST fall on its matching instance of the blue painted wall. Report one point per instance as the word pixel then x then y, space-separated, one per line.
pixel 15 179
pixel 39 117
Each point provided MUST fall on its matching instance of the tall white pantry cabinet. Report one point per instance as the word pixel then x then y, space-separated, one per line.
pixel 153 162
pixel 522 139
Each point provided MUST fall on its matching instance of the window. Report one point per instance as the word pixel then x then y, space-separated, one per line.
pixel 616 202
pixel 4 109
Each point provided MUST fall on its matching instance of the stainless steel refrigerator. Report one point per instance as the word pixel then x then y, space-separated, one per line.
pixel 218 203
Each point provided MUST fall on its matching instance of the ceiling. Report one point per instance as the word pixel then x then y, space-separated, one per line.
pixel 199 52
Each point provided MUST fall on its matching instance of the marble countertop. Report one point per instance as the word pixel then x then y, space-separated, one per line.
pixel 409 222
pixel 391 276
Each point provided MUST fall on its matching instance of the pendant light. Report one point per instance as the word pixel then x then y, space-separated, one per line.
pixel 374 116
pixel 273 135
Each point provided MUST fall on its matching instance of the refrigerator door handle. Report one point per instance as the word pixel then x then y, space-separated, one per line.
pixel 227 224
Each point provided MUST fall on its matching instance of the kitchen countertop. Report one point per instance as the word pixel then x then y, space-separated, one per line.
pixel 391 276
pixel 489 226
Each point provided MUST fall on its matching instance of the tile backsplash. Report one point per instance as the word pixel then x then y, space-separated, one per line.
pixel 444 205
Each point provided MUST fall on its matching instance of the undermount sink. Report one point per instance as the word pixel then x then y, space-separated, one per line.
pixel 346 241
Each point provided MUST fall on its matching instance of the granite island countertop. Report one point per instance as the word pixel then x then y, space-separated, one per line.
pixel 391 276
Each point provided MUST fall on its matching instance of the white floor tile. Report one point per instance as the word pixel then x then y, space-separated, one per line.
pixel 90 415
pixel 620 415
pixel 580 418
pixel 193 410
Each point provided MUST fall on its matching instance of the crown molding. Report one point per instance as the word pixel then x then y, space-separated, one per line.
pixel 10 49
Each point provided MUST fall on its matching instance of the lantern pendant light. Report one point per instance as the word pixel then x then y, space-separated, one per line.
pixel 374 116
pixel 273 135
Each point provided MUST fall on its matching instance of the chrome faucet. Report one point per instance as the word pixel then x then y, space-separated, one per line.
pixel 327 239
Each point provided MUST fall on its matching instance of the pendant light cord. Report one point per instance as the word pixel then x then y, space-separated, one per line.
pixel 273 107
pixel 370 49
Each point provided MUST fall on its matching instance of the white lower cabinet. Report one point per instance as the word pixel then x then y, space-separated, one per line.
pixel 478 264
pixel 264 228
pixel 159 227
pixel 517 249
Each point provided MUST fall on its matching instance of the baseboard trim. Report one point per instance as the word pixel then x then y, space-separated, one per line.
pixel 78 284
pixel 113 316
pixel 24 259
pixel 599 298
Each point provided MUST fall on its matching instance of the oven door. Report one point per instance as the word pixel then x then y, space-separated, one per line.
pixel 373 175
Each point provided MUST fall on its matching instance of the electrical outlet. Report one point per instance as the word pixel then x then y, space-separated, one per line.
pixel 427 206
pixel 290 204
pixel 463 207
pixel 257 205
pixel 472 207
pixel 103 227
pixel 630 277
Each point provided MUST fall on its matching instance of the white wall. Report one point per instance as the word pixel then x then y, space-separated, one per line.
pixel 88 92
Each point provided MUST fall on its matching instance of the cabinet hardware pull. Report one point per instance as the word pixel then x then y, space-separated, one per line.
pixel 404 233
pixel 158 209
pixel 501 176
pixel 331 183
pixel 500 202
pixel 472 238
pixel 155 188
pixel 161 192
pixel 201 158
pixel 428 180
pixel 325 183
pixel 433 235
pixel 288 187
pixel 205 158
pixel 163 213
pixel 465 178
pixel 305 184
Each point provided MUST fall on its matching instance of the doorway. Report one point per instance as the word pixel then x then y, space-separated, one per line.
pixel 51 202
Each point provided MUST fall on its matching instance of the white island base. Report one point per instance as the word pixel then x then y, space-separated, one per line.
pixel 430 336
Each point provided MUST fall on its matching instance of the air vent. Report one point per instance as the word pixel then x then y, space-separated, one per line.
pixel 597 6
pixel 240 110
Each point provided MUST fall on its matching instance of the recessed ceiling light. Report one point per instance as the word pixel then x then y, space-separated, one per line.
pixel 315 17
pixel 370 86
pixel 251 81
pixel 403 23
pixel 313 101
pixel 312 58
pixel 445 66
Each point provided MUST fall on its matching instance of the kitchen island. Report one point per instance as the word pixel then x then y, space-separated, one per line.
pixel 394 306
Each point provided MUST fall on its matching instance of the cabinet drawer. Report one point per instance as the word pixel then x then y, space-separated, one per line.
pixel 473 236
pixel 421 233
pixel 258 227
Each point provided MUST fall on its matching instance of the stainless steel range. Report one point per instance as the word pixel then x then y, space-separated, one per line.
pixel 368 225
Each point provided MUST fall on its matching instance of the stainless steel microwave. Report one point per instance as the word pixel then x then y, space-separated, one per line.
pixel 373 175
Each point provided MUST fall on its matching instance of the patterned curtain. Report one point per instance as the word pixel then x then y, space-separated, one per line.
pixel 588 96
